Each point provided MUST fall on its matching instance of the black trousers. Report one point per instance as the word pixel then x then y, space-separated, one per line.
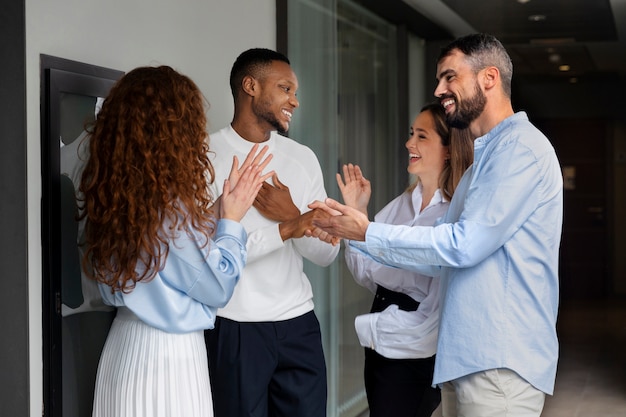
pixel 267 369
pixel 399 387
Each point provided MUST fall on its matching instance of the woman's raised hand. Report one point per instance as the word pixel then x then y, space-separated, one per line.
pixel 355 188
pixel 253 158
pixel 243 184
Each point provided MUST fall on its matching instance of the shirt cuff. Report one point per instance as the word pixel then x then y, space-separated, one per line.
pixel 232 228
pixel 372 240
pixel 365 326
pixel 375 237
pixel 361 246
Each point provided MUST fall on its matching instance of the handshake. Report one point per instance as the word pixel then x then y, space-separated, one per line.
pixel 329 220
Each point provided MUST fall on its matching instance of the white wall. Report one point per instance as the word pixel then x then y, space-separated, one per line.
pixel 200 38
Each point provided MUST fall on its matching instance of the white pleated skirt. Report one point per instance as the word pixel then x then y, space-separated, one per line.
pixel 146 372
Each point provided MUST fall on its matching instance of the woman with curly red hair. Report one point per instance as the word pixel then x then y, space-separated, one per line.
pixel 162 249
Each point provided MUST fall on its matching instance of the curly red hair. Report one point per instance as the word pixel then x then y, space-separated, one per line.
pixel 146 177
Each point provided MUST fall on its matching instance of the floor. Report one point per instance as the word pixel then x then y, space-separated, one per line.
pixel 591 376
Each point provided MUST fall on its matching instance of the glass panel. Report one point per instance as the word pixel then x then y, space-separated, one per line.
pixel 367 98
pixel 345 60
pixel 367 137
pixel 418 93
pixel 312 40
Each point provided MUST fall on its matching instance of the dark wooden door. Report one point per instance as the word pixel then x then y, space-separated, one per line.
pixel 581 145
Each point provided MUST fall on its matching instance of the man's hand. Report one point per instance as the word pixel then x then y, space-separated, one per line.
pixel 355 188
pixel 275 203
pixel 341 221
pixel 303 226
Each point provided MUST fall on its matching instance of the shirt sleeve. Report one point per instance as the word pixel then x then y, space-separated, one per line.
pixel 378 256
pixel 313 249
pixel 266 238
pixel 362 268
pixel 399 334
pixel 209 274
pixel 494 208
pixel 196 278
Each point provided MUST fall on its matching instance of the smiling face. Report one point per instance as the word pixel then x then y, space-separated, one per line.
pixel 277 101
pixel 458 90
pixel 427 155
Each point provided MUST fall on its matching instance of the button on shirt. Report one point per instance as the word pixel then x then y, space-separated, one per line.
pixel 498 248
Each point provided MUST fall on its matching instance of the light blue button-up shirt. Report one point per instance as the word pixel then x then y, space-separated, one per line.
pixel 498 247
pixel 194 281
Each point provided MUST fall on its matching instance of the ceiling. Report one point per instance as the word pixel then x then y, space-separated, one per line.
pixel 589 36
pixel 569 39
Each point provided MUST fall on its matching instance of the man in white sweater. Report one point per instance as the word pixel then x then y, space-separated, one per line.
pixel 265 352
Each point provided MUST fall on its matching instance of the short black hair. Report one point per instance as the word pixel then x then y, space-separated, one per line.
pixel 252 62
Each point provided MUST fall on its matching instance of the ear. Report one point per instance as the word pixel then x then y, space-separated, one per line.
pixel 249 85
pixel 491 77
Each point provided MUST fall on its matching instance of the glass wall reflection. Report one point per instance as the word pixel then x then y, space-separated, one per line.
pixel 346 62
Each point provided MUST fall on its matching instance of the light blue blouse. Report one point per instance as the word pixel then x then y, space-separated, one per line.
pixel 498 248
pixel 193 283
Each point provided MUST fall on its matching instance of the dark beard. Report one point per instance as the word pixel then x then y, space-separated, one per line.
pixel 262 112
pixel 468 110
pixel 279 128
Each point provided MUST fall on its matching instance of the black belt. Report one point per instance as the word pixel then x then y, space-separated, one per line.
pixel 384 298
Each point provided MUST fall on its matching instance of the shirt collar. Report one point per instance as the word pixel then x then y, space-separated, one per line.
pixel 242 145
pixel 416 196
pixel 495 132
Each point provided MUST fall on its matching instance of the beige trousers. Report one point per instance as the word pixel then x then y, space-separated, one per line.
pixel 491 393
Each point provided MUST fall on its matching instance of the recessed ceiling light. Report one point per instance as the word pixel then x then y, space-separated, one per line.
pixel 564 68
pixel 537 17
pixel 554 58
pixel 523 1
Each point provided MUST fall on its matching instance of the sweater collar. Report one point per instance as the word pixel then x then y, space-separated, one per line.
pixel 242 145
